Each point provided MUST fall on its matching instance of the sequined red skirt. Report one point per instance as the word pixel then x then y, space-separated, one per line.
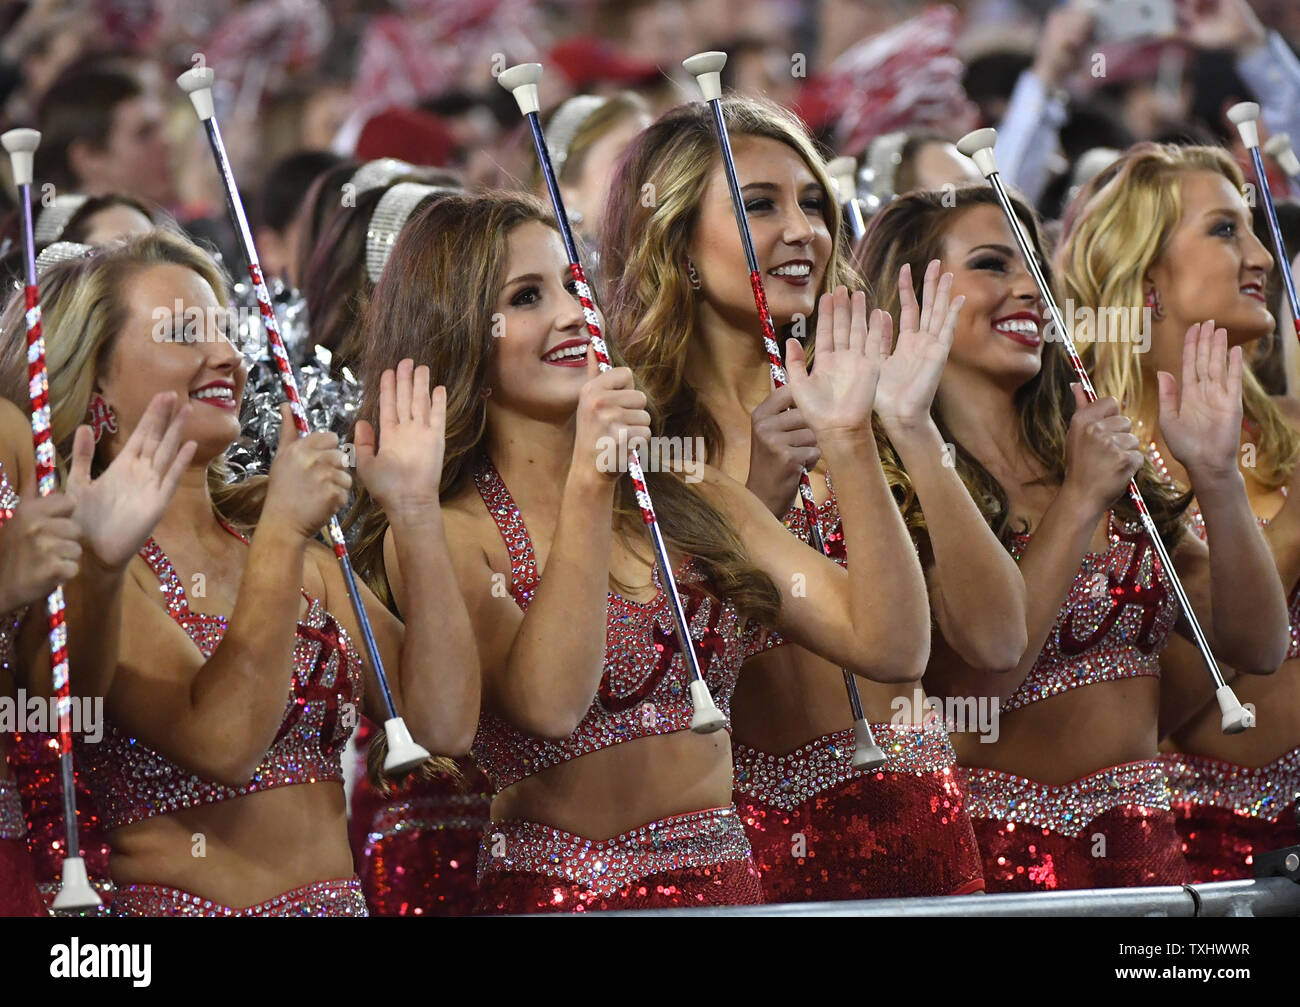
pixel 1109 829
pixel 18 894
pixel 1227 814
pixel 697 859
pixel 34 762
pixel 822 830
pixel 322 898
pixel 419 855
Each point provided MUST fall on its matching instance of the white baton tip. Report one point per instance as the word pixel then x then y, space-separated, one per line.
pixel 197 83
pixel 978 146
pixel 706 717
pixel 1245 116
pixel 843 171
pixel 1236 718
pixel 75 890
pixel 403 753
pixel 21 145
pixel 521 81
pixel 706 67
pixel 1278 147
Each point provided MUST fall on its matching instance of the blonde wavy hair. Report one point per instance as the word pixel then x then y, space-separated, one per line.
pixel 1118 228
pixel 651 306
pixel 83 306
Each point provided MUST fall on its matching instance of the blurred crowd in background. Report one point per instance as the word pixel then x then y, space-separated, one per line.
pixel 304 85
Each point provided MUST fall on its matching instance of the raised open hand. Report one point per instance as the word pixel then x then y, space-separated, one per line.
pixel 1201 422
pixel 403 469
pixel 837 397
pixel 910 375
pixel 118 510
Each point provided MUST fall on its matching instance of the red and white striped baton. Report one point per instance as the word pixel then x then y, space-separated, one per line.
pixel 75 891
pixel 521 81
pixel 403 753
pixel 706 68
pixel 978 146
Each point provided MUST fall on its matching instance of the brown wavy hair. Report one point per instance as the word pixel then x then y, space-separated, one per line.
pixel 336 284
pixel 435 305
pixel 1120 225
pixel 652 308
pixel 911 230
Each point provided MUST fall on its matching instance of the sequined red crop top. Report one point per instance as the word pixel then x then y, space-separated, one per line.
pixel 1115 621
pixel 643 691
pixel 131 782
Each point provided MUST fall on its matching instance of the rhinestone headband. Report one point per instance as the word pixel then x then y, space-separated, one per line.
pixel 61 251
pixel 54 218
pixel 564 126
pixel 386 223
pixel 376 174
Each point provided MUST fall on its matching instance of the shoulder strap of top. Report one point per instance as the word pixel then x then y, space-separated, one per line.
pixel 510 523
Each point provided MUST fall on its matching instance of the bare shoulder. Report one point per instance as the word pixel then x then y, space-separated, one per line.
pixel 15 443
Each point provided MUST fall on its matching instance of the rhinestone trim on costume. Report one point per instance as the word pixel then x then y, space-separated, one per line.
pixel 787 781
pixel 697 839
pixel 12 823
pixel 1068 809
pixel 1115 621
pixel 322 898
pixel 1264 792
pixel 643 691
pixel 429 813
pixel 129 781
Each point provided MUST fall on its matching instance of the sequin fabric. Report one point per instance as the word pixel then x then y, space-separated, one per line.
pixel 822 830
pixel 695 859
pixel 417 851
pixel 1227 814
pixel 1109 829
pixel 323 898
pixel 34 760
pixel 12 823
pixel 131 782
pixel 643 691
pixel 1115 621
pixel 18 894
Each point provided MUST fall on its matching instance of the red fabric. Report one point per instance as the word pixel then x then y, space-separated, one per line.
pixel 18 894
pixel 407 134
pixel 1142 848
pixel 878 836
pixel 586 62
pixel 733 883
pixel 1221 845
pixel 34 762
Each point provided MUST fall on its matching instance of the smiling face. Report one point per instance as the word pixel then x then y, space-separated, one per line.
pixel 158 350
pixel 1000 331
pixel 540 362
pixel 788 213
pixel 1213 266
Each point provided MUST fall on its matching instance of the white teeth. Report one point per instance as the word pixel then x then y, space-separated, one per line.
pixel 568 353
pixel 1022 326
pixel 213 393
pixel 801 269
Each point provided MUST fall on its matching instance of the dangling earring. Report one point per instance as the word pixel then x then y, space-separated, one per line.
pixel 1153 302
pixel 692 274
pixel 101 417
pixel 485 391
